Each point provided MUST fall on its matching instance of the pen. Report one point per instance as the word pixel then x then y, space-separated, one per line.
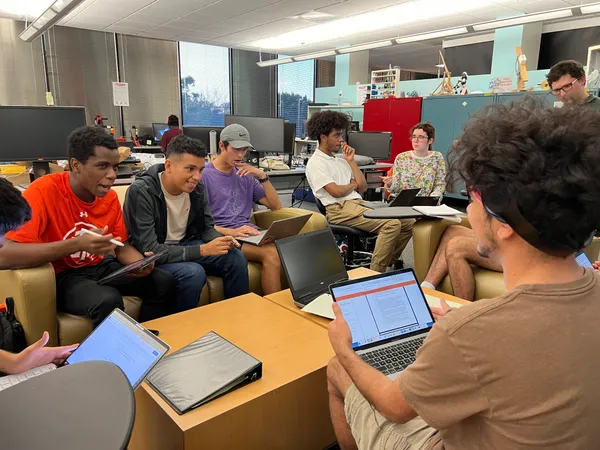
pixel 112 241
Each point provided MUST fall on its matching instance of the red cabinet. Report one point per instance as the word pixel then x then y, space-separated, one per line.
pixel 397 115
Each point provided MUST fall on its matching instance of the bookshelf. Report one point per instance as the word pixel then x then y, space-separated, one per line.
pixel 384 83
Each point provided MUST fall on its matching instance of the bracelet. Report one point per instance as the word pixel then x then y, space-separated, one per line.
pixel 263 180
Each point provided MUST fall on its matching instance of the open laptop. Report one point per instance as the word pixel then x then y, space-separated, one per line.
pixel 388 316
pixel 311 262
pixel 279 229
pixel 118 339
pixel 404 198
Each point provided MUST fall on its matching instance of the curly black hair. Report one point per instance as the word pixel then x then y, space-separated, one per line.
pixel 548 158
pixel 15 210
pixel 185 144
pixel 84 140
pixel 569 67
pixel 322 122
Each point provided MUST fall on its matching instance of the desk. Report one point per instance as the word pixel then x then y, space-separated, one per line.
pixel 286 408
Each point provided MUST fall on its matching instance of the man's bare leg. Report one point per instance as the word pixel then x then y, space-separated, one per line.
pixel 338 382
pixel 461 252
pixel 439 266
pixel 267 256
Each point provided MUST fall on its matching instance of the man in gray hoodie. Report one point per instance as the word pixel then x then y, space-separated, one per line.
pixel 166 208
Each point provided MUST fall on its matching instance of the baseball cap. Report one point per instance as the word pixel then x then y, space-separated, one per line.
pixel 236 135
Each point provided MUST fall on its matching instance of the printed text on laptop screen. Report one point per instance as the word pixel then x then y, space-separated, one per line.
pixel 383 308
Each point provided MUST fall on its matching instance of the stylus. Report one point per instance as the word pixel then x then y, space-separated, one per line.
pixel 112 241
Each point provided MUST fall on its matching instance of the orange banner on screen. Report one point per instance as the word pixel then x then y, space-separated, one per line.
pixel 374 291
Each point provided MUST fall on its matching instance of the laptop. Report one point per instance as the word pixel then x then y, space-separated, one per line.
pixel 311 262
pixel 118 339
pixel 404 198
pixel 425 201
pixel 388 316
pixel 279 229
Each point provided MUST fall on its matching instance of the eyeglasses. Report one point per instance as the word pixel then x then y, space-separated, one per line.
pixel 566 88
pixel 419 137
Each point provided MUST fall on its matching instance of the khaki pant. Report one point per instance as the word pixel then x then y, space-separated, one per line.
pixel 392 234
pixel 373 431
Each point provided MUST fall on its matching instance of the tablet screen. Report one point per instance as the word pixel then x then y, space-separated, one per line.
pixel 130 268
pixel 583 260
pixel 121 340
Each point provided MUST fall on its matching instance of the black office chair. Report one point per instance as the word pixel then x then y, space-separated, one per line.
pixel 352 258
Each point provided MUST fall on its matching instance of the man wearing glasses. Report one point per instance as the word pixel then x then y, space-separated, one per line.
pixel 567 81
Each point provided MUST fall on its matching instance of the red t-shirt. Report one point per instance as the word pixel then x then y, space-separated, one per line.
pixel 58 214
pixel 169 134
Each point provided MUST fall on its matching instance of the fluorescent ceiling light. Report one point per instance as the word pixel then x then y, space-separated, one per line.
pixel 57 10
pixel 433 35
pixel 414 11
pixel 590 9
pixel 529 18
pixel 314 55
pixel 274 62
pixel 314 15
pixel 358 48
pixel 28 8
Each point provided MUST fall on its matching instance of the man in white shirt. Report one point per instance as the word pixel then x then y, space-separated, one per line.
pixel 337 184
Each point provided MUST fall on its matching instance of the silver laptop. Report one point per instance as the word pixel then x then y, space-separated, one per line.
pixel 404 198
pixel 388 316
pixel 279 229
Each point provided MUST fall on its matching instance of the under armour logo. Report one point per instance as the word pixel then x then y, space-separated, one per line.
pixel 83 214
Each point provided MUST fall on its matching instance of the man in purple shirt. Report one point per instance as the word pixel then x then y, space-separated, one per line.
pixel 233 186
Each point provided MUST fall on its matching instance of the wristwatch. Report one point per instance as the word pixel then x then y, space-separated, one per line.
pixel 263 180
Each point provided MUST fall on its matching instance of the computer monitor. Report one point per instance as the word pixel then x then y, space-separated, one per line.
pixel 289 136
pixel 158 129
pixel 266 133
pixel 203 133
pixel 38 133
pixel 377 145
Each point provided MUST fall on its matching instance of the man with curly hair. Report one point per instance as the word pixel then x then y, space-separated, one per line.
pixel 518 371
pixel 337 183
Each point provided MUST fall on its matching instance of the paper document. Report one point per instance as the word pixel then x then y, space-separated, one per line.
pixel 434 302
pixel 437 211
pixel 321 306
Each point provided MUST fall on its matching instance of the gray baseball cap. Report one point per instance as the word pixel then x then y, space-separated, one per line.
pixel 236 135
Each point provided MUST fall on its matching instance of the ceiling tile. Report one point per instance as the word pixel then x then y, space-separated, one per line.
pixel 146 18
pixel 198 35
pixel 184 24
pixel 539 6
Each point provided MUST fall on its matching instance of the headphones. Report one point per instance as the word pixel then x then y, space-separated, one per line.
pixel 502 204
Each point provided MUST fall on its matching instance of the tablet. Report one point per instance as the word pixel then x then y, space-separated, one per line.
pixel 133 267
pixel 583 260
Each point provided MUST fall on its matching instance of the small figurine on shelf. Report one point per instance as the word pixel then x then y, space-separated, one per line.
pixel 460 88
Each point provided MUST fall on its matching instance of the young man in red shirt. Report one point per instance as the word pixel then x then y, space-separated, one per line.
pixel 63 205
pixel 173 131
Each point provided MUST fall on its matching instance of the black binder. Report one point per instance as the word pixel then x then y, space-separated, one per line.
pixel 202 371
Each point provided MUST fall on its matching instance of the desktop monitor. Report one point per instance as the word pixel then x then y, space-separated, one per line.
pixel 289 135
pixel 377 145
pixel 158 129
pixel 266 134
pixel 203 133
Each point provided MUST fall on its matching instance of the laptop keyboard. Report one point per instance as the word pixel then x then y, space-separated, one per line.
pixel 394 358
pixel 11 380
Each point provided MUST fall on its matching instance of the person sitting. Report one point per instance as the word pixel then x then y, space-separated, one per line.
pixel 233 187
pixel 64 204
pixel 517 371
pixel 166 208
pixel 172 132
pixel 14 213
pixel 338 182
pixel 420 168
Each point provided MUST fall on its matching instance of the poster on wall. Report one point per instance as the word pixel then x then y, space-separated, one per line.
pixel 501 84
pixel 363 92
pixel 120 94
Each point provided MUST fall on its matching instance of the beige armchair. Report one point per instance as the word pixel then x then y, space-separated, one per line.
pixel 488 284
pixel 34 290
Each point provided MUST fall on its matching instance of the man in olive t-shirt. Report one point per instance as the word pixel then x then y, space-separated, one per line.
pixel 515 372
pixel 567 81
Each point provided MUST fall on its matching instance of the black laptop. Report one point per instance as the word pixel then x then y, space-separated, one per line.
pixel 311 262
pixel 404 198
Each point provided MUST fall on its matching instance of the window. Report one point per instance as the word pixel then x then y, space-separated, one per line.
pixel 295 88
pixel 205 97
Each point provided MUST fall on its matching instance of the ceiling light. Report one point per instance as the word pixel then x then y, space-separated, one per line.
pixel 358 48
pixel 57 10
pixel 313 15
pixel 529 18
pixel 433 35
pixel 23 9
pixel 590 9
pixel 274 62
pixel 314 55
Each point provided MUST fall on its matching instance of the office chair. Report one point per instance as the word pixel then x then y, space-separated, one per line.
pixel 352 258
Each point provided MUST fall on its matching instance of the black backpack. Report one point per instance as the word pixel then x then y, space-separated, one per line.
pixel 12 335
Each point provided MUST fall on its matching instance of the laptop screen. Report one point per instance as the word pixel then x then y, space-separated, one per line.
pixel 383 307
pixel 122 341
pixel 311 260
pixel 583 260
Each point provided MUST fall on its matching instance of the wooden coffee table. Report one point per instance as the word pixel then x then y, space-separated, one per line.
pixel 287 408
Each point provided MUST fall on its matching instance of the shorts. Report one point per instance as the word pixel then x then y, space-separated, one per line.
pixel 373 431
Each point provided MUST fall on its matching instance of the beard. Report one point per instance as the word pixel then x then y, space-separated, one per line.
pixel 485 249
